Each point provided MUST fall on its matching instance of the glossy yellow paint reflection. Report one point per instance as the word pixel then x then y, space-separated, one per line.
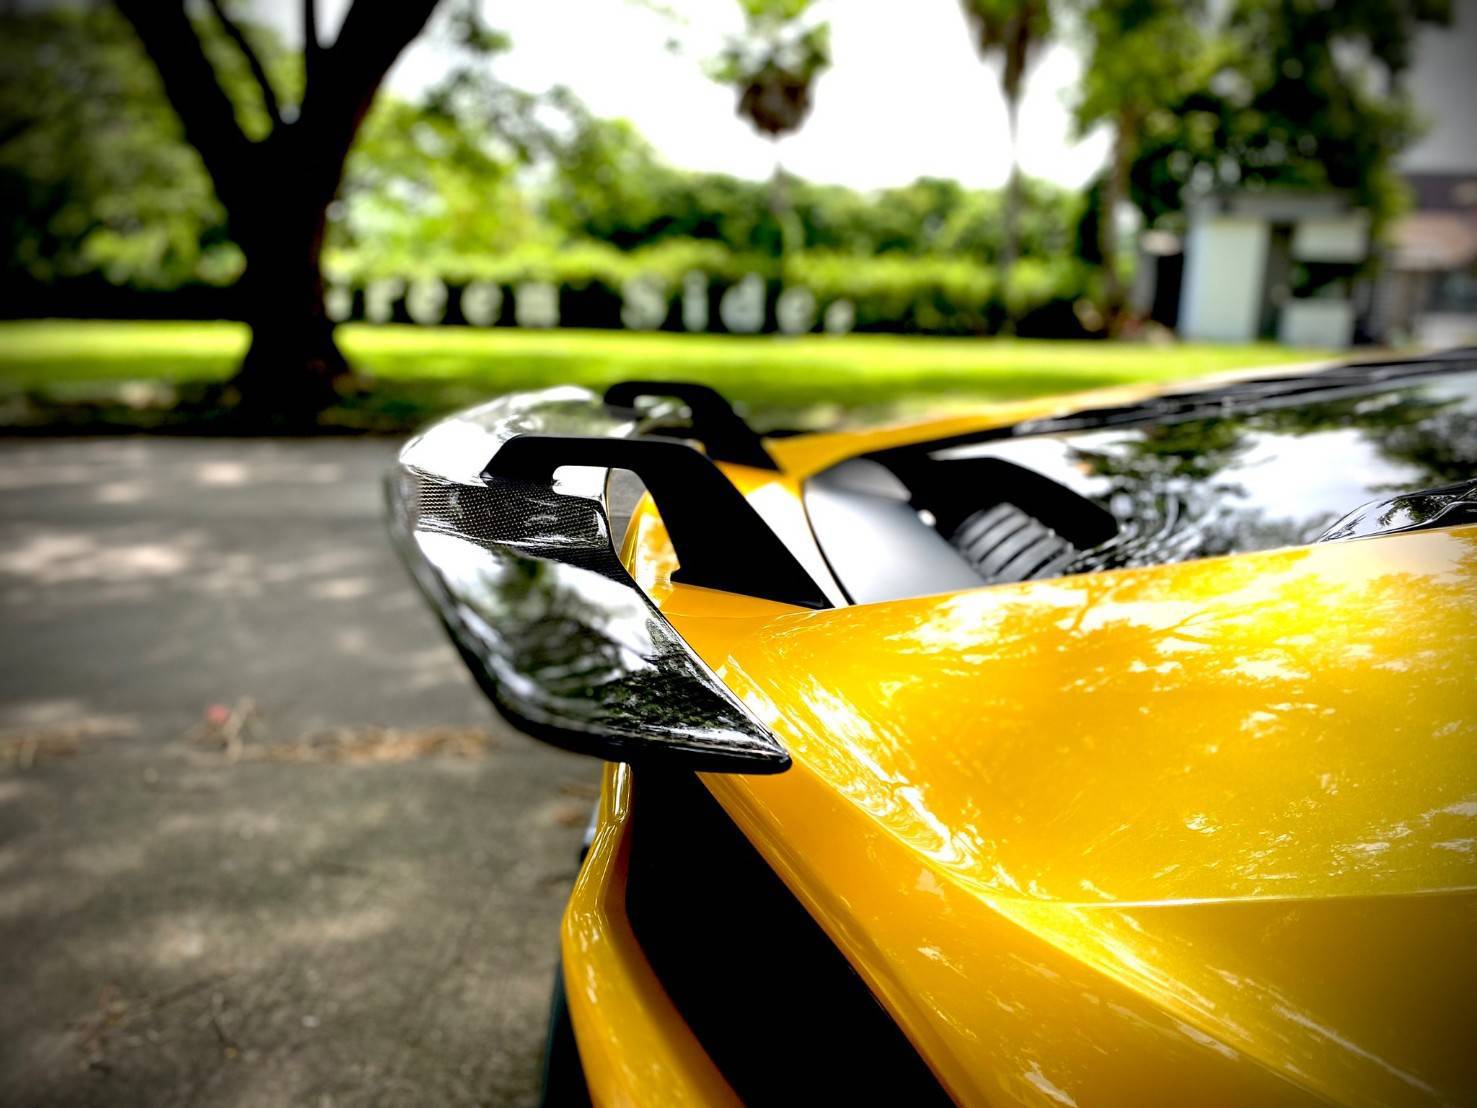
pixel 634 1046
pixel 1197 833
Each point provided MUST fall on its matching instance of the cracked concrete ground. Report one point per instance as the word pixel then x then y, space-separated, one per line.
pixel 186 919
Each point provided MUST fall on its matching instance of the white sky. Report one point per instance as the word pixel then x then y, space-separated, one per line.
pixel 906 97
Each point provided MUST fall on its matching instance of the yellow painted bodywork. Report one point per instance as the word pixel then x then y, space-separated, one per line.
pixel 634 1047
pixel 1198 833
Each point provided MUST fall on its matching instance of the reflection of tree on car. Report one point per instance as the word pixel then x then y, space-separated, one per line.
pixel 1183 486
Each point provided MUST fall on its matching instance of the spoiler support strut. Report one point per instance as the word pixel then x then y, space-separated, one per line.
pixel 720 540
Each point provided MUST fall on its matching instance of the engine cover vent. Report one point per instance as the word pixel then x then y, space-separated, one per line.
pixel 1005 544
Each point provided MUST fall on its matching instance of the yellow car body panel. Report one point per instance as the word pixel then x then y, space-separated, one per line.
pixel 1202 831
pixel 634 1047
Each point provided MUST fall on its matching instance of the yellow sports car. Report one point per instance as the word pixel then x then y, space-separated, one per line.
pixel 1114 751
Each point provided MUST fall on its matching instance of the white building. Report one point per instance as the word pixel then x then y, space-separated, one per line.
pixel 1272 263
pixel 1278 265
pixel 1427 292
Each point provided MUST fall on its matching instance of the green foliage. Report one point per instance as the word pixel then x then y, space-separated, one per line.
pixel 935 294
pixel 774 11
pixel 1291 93
pixel 933 216
pixel 97 178
pixel 433 190
pixel 467 29
pixel 911 258
pixel 126 374
pixel 1141 54
pixel 774 65
pixel 940 295
pixel 609 185
pixel 96 181
pixel 505 121
pixel 93 172
pixel 1015 30
pixel 421 186
pixel 283 69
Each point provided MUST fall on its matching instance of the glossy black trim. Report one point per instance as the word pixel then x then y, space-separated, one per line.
pixel 526 579
pixel 562 1081
pixel 1447 506
pixel 712 420
pixel 1184 475
pixel 740 956
pixel 721 542
pixel 1257 394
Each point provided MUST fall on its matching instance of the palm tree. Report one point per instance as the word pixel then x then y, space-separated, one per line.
pixel 1016 30
pixel 1140 54
pixel 773 66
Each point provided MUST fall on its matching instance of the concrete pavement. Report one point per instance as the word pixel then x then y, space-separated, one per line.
pixel 261 839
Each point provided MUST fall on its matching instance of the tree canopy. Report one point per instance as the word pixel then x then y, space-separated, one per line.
pixel 1291 93
pixel 96 176
pixel 774 64
pixel 100 183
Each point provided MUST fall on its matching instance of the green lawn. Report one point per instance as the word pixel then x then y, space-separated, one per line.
pixel 418 371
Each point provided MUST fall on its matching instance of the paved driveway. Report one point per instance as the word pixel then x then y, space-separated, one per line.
pixel 261 840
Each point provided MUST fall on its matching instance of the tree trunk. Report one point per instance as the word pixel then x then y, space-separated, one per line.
pixel 1125 140
pixel 276 190
pixel 781 210
pixel 1010 215
pixel 293 369
pixel 293 366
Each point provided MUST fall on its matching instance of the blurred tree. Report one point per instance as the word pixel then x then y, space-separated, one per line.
pixel 276 184
pixel 774 65
pixel 422 186
pixel 1140 54
pixel 94 177
pixel 1016 30
pixel 431 182
pixel 1296 93
pixel 935 216
pixel 608 184
pixel 514 125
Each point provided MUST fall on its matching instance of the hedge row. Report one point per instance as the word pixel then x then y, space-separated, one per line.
pixel 598 286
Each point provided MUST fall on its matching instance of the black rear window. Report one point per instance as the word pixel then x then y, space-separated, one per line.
pixel 1247 481
pixel 1175 478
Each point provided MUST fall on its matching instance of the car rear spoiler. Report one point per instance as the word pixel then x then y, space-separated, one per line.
pixel 501 515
